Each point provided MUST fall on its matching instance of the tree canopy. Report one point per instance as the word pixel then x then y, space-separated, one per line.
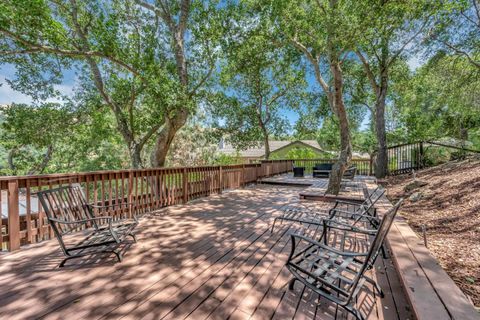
pixel 161 82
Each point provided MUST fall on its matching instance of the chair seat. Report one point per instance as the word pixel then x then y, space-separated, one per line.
pixel 297 212
pixel 103 236
pixel 325 270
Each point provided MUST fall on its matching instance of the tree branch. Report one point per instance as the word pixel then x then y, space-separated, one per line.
pixel 368 71
pixel 314 61
pixel 39 48
pixel 461 52
pixel 162 13
pixel 477 9
pixel 148 135
pixel 184 12
pixel 397 54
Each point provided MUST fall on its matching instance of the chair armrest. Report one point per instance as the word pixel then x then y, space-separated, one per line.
pixel 93 206
pixel 83 221
pixel 108 206
pixel 347 202
pixel 312 242
pixel 334 224
pixel 334 212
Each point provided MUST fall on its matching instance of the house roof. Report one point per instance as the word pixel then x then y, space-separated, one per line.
pixel 259 151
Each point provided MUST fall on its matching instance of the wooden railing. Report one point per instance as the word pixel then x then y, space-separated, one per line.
pixel 23 222
pixel 364 166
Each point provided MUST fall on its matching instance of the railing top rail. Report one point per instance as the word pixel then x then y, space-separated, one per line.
pixel 103 172
pixel 325 159
pixel 434 143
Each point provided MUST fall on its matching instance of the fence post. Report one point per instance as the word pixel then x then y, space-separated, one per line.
pixel 370 165
pixel 421 155
pixel 13 216
pixel 185 185
pixel 131 205
pixel 243 175
pixel 220 179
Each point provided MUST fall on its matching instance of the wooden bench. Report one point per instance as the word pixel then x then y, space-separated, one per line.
pixel 430 291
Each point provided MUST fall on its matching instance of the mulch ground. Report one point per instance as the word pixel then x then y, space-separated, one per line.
pixel 448 205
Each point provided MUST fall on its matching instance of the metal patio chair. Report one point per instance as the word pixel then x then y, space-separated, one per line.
pixel 336 274
pixel 363 214
pixel 349 174
pixel 78 231
pixel 345 211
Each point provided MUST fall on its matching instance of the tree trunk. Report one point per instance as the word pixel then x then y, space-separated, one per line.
pixel 136 156
pixel 165 138
pixel 42 165
pixel 11 162
pixel 267 145
pixel 345 156
pixel 265 136
pixel 381 162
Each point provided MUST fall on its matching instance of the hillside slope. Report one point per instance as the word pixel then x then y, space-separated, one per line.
pixel 448 205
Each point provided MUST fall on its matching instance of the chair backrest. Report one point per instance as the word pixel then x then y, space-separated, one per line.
pixel 66 204
pixel 375 195
pixel 377 243
pixel 385 225
pixel 350 173
pixel 370 200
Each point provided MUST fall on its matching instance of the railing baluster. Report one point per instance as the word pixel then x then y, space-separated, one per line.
pixel 1 219
pixel 13 216
pixel 29 212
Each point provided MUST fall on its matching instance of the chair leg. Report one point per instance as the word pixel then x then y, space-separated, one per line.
pixel 134 237
pixel 376 286
pixel 291 284
pixel 62 264
pixel 273 225
pixel 384 252
pixel 355 312
pixel 118 254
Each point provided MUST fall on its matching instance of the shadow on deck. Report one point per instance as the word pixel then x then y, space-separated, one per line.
pixel 212 258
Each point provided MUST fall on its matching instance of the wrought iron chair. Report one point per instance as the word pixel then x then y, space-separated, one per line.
pixel 363 214
pixel 349 174
pixel 342 210
pixel 333 273
pixel 68 212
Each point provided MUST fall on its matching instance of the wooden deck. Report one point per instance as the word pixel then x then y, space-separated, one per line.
pixel 316 187
pixel 213 258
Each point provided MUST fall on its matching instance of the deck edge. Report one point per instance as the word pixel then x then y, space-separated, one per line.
pixel 447 300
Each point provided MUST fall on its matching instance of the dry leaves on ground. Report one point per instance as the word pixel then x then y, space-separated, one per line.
pixel 449 207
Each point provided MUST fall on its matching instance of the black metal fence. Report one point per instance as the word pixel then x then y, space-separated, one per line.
pixel 404 158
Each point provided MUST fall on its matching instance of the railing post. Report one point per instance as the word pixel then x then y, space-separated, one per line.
pixel 370 169
pixel 185 185
pixel 243 175
pixel 13 216
pixel 220 179
pixel 131 205
pixel 422 155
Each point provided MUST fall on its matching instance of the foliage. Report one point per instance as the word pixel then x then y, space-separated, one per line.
pixel 58 138
pixel 440 99
pixel 258 81
pixel 130 58
pixel 301 153
pixel 192 146
pixel 143 72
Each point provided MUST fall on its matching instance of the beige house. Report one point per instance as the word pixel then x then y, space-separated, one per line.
pixel 280 150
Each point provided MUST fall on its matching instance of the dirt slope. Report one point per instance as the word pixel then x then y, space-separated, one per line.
pixel 449 207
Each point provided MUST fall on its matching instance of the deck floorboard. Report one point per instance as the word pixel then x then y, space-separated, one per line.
pixel 213 258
